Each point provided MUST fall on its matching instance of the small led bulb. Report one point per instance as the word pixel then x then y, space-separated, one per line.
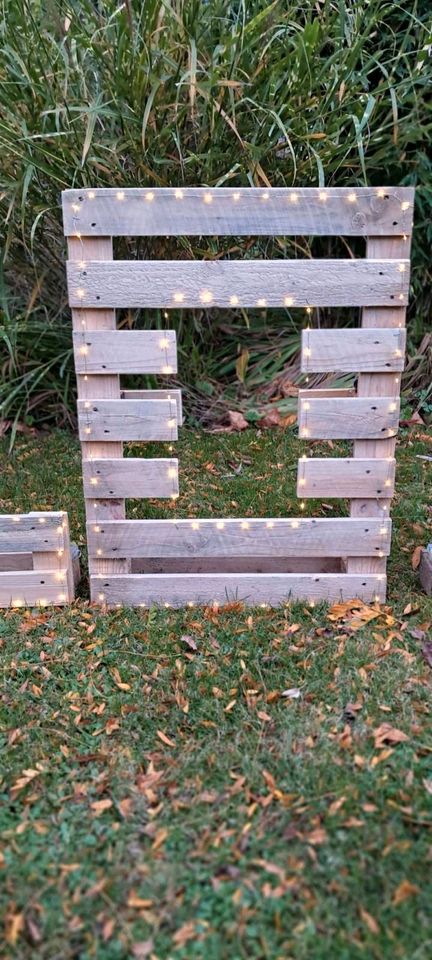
pixel 179 297
pixel 405 205
pixel 91 195
pixel 293 197
pixel 80 293
pixel 269 524
pixel 93 481
pixel 178 194
pixel 172 422
pixel 120 195
pixel 352 197
pixel 206 296
pixel 220 524
pixel 195 525
pixel 264 196
pixel 167 370
pixel 288 301
pixel 164 343
pixel 208 198
pixel 234 300
pixel 236 197
pixel 149 196
pixel 172 472
pixel 323 196
pixel 245 525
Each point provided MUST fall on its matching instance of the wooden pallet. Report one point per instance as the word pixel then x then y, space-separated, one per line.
pixel 267 561
pixel 35 560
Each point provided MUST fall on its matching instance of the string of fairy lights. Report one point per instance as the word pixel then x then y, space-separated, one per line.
pixel 207 297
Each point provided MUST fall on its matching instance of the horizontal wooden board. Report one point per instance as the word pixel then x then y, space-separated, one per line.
pixel 167 394
pixel 272 589
pixel 250 564
pixel 202 211
pixel 347 418
pixel 130 477
pixel 346 477
pixel 15 561
pixel 31 533
pixel 33 588
pixel 127 419
pixel 242 537
pixel 125 351
pixel 225 283
pixel 356 350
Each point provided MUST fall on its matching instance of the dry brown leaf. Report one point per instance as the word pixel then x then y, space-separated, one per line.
pixel 405 890
pixel 385 734
pixel 237 420
pixel 14 925
pixel 160 838
pixel 318 836
pixel 142 949
pixel 189 641
pixel 139 903
pixel 162 736
pixel 99 806
pixel 118 680
pixel 369 921
pixel 184 933
pixel 416 557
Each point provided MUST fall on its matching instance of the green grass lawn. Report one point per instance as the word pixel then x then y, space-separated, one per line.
pixel 233 784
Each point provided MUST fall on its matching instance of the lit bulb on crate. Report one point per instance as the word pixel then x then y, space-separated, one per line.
pixel 234 300
pixel 245 525
pixel 171 423
pixel 120 195
pixel 164 343
pixel 149 196
pixel 178 194
pixel 405 205
pixel 41 519
pixel 352 197
pixel 380 193
pixel 264 196
pixel 236 197
pixel 269 524
pixel 172 472
pixel 323 196
pixel 261 302
pixel 91 195
pixel 76 207
pixel 208 198
pixel 179 297
pixel 206 296
pixel 220 524
pixel 402 268
pixel 195 525
pixel 80 293
pixel 293 197
pixel 289 301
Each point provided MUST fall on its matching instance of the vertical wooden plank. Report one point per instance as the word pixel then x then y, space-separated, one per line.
pixel 100 387
pixel 376 385
pixel 59 561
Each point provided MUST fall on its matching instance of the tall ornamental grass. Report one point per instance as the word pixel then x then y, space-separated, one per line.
pixel 184 92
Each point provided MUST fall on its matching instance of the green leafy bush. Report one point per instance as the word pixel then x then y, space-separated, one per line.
pixel 185 92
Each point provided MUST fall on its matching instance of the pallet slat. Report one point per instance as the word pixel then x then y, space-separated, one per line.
pixel 225 283
pixel 127 420
pixel 352 350
pixel 125 351
pixel 167 394
pixel 348 418
pixel 131 477
pixel 269 588
pixel 34 588
pixel 334 477
pixel 201 211
pixel 31 533
pixel 243 537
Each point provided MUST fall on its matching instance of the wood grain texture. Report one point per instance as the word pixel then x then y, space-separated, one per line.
pixel 201 211
pixel 249 564
pixel 33 588
pixel 131 477
pixel 167 394
pixel 243 537
pixel 31 532
pixel 376 384
pixel 128 420
pixel 98 386
pixel 334 477
pixel 348 418
pixel 352 350
pixel 125 351
pixel 224 283
pixel 253 589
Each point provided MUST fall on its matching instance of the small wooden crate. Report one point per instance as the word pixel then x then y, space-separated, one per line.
pixel 35 560
pixel 269 560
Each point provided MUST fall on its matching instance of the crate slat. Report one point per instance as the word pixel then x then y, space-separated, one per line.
pixel 225 283
pixel 272 589
pixel 201 211
pixel 131 477
pixel 127 420
pixel 334 477
pixel 34 588
pixel 243 537
pixel 167 394
pixel 348 417
pixel 31 533
pixel 352 350
pixel 125 351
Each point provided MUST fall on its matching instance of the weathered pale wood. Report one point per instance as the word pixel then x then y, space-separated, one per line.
pixel 15 561
pixel 345 477
pixel 352 350
pixel 125 351
pixel 33 588
pixel 377 384
pixel 224 283
pixel 127 419
pixel 131 478
pixel 272 589
pixel 249 564
pixel 166 394
pixel 345 418
pixel 31 532
pixel 243 537
pixel 100 386
pixel 202 211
